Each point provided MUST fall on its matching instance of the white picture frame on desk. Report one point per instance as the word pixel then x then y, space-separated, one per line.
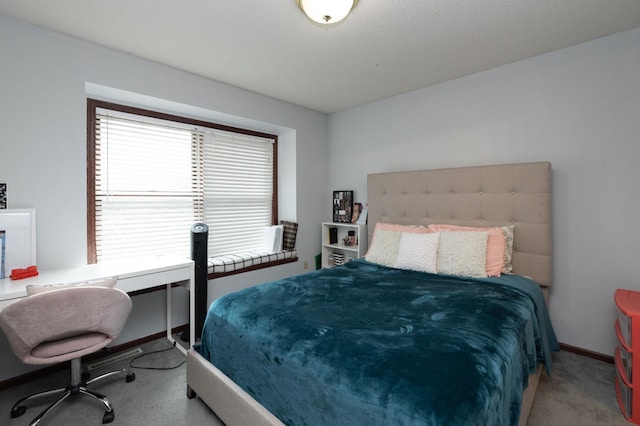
pixel 19 226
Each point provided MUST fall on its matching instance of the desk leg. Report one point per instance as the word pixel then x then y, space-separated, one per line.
pixel 169 336
pixel 192 312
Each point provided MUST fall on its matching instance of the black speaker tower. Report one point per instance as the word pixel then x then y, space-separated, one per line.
pixel 199 255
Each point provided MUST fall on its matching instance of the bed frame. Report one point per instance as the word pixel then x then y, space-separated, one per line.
pixel 498 195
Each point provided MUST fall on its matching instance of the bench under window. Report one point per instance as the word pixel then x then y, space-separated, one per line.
pixel 284 242
pixel 229 264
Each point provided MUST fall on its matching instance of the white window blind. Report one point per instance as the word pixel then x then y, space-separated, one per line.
pixel 238 188
pixel 155 178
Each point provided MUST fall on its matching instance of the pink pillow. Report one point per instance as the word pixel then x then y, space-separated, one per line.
pixel 495 245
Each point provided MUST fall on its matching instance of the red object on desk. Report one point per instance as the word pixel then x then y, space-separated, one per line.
pixel 18 274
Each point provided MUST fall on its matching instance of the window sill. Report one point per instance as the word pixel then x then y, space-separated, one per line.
pixel 222 266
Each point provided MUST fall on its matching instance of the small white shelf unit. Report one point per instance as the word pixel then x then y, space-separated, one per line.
pixel 339 249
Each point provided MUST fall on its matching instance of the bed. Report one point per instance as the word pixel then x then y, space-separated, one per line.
pixel 304 377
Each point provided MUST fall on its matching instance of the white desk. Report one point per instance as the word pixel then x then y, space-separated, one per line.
pixel 133 274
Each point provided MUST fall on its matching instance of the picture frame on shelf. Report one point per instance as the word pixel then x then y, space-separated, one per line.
pixel 342 206
pixel 3 196
pixel 359 215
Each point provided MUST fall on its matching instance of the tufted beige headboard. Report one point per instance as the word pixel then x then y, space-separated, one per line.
pixel 497 195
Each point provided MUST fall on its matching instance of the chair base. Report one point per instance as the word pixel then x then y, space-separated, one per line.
pixel 78 386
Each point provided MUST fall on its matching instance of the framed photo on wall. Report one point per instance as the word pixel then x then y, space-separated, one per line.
pixel 342 206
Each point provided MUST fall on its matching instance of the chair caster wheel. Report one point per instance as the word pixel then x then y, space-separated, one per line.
pixel 108 417
pixel 130 377
pixel 18 411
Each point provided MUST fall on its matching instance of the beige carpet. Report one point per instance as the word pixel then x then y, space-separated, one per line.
pixel 580 391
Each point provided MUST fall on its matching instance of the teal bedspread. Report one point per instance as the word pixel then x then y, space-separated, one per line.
pixel 363 344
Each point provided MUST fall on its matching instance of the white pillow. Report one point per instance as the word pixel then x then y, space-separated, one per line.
pixel 463 253
pixel 273 238
pixel 384 248
pixel 102 282
pixel 508 248
pixel 418 252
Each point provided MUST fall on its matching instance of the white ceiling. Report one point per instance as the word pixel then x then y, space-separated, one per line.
pixel 384 48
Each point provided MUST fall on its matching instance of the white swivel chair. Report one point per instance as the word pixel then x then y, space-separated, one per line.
pixel 63 324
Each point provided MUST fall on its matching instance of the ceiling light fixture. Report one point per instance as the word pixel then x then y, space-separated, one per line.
pixel 326 11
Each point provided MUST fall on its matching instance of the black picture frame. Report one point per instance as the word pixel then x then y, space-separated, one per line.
pixel 3 195
pixel 342 206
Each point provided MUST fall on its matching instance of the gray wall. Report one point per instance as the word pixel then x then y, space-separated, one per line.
pixel 578 108
pixel 44 80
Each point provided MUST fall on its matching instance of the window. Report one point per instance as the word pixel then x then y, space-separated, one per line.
pixel 152 175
